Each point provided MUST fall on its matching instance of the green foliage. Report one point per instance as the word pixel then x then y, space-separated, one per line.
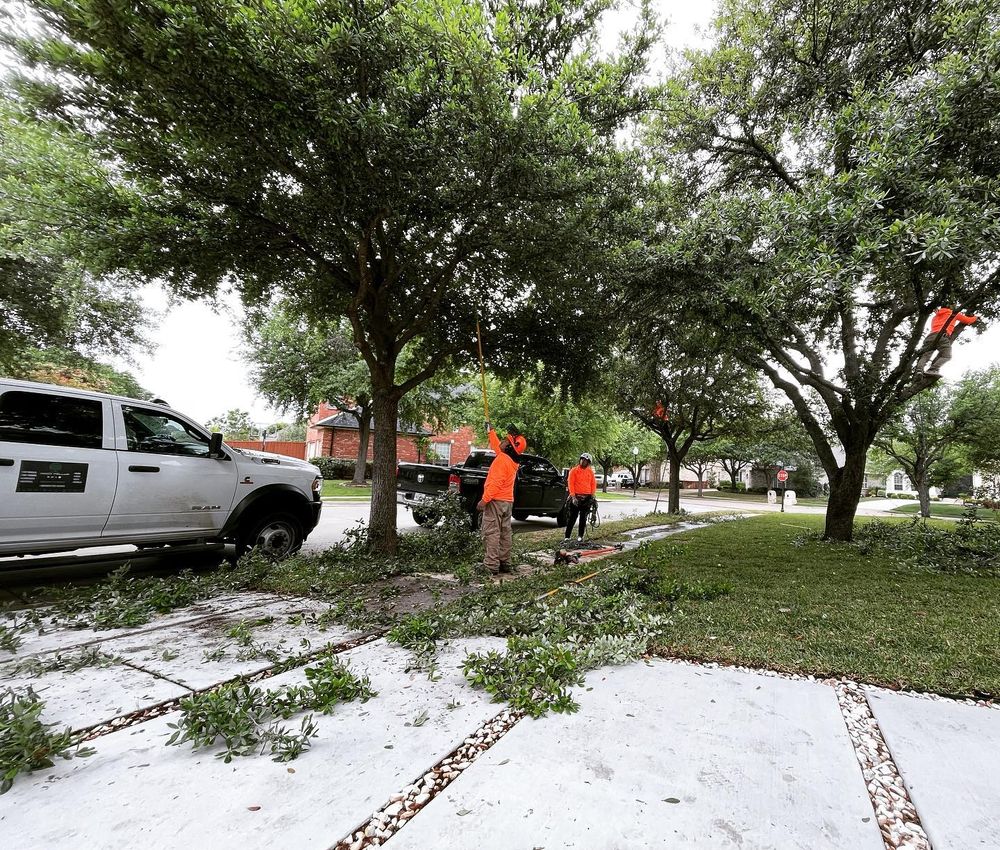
pixel 71 369
pixel 825 200
pixel 54 303
pixel 556 427
pixel 245 719
pixel 17 624
pixel 411 168
pixel 234 424
pixel 67 663
pixel 533 675
pixel 972 546
pixel 26 742
pixel 338 469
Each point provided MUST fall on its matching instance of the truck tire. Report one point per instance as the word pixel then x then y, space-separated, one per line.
pixel 276 535
pixel 474 520
pixel 521 516
pixel 562 516
pixel 425 518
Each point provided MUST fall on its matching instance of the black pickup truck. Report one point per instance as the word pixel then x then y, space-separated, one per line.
pixel 540 489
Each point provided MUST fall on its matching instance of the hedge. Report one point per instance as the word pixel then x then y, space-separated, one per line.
pixel 339 468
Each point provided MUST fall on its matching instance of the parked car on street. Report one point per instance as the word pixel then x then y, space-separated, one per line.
pixel 539 490
pixel 81 469
pixel 622 478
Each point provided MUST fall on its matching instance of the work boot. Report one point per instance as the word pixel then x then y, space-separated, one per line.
pixel 507 568
pixel 566 541
pixel 579 541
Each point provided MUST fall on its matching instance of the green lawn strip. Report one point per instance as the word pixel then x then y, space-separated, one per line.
pixel 945 510
pixel 757 498
pixel 346 491
pixel 612 495
pixel 826 609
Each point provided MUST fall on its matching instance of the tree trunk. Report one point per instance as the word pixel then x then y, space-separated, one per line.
pixel 382 536
pixel 701 484
pixel 364 434
pixel 845 493
pixel 674 491
pixel 923 494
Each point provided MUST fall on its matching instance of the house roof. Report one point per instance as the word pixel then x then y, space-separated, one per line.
pixel 350 423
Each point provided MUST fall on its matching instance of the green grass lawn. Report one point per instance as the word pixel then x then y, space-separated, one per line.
pixel 749 497
pixel 827 609
pixel 939 509
pixel 346 491
pixel 611 495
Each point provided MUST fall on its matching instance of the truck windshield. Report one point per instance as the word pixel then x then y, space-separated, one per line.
pixel 479 460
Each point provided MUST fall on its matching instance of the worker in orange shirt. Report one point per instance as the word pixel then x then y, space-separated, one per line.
pixel 582 487
pixel 945 326
pixel 497 503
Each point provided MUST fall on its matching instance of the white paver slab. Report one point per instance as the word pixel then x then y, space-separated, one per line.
pixel 95 695
pixel 178 653
pixel 947 754
pixel 136 792
pixel 66 639
pixel 664 755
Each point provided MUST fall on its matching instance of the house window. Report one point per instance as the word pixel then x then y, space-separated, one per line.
pixel 897 481
pixel 439 454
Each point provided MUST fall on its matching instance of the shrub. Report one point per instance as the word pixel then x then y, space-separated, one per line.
pixel 972 547
pixel 339 468
pixel 728 485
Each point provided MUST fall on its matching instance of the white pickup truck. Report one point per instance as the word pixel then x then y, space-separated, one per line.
pixel 81 469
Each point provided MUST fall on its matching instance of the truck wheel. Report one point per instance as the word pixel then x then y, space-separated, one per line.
pixel 521 516
pixel 475 519
pixel 562 516
pixel 426 518
pixel 275 536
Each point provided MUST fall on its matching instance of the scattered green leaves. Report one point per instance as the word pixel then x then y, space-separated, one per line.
pixel 26 742
pixel 246 719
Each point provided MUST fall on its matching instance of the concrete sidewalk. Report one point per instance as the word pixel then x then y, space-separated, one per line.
pixel 662 754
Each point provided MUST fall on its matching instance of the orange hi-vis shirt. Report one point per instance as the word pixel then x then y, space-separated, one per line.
pixel 499 484
pixel 581 482
pixel 942 316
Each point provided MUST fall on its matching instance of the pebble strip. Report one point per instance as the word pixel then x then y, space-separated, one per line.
pixel 895 813
pixel 402 806
pixel 141 715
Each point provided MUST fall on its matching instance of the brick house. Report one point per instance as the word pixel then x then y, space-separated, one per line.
pixel 332 433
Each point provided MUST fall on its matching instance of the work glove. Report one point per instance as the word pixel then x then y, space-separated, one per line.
pixel 574 500
pixel 488 426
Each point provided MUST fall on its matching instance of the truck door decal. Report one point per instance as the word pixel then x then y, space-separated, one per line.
pixel 42 476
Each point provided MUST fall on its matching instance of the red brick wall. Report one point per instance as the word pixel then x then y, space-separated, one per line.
pixel 343 443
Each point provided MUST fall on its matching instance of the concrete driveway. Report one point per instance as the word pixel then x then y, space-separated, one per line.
pixel 661 754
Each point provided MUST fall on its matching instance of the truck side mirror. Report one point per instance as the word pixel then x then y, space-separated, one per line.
pixel 215 445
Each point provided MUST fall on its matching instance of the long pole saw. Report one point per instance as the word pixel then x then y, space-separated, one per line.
pixel 482 373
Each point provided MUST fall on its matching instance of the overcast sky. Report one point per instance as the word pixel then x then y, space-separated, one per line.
pixel 196 364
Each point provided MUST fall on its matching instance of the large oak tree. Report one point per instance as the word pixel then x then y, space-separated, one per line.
pixel 840 164
pixel 407 166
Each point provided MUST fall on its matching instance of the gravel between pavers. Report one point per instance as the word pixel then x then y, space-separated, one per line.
pixel 402 806
pixel 897 817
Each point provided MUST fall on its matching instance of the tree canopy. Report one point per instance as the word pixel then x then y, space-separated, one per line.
pixel 408 166
pixel 49 299
pixel 836 164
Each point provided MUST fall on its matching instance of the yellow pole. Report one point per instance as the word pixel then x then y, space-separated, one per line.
pixel 482 372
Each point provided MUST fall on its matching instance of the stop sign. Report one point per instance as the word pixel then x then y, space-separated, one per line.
pixel 782 475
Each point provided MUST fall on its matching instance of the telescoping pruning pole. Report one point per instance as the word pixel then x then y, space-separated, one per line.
pixel 482 373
